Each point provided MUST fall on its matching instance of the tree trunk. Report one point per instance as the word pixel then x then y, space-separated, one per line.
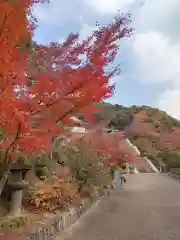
pixel 4 177
pixel 52 148
pixel 8 161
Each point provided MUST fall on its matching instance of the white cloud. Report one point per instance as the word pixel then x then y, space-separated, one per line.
pixel 109 6
pixel 169 101
pixel 157 60
pixel 162 16
pixel 155 55
pixel 155 46
pixel 58 12
pixel 156 49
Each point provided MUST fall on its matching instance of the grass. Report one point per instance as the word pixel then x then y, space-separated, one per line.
pixel 12 224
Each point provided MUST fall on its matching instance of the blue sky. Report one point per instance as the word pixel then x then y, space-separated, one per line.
pixel 149 61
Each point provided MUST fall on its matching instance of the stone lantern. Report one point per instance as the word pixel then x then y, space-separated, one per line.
pixel 39 166
pixel 17 184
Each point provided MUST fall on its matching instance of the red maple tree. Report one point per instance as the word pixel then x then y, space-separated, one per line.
pixel 42 87
pixel 16 31
pixel 112 147
pixel 115 148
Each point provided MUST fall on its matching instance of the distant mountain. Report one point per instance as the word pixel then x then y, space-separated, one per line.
pixel 153 131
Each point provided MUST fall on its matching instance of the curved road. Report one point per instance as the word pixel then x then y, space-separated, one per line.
pixel 147 208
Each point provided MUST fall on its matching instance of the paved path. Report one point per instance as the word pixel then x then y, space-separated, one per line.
pixel 147 208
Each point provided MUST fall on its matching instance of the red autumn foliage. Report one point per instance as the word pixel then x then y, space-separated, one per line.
pixel 62 85
pixel 142 129
pixel 161 136
pixel 43 86
pixel 116 149
pixel 16 30
pixel 171 140
pixel 111 146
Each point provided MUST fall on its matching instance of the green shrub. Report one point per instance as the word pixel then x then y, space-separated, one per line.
pixel 86 166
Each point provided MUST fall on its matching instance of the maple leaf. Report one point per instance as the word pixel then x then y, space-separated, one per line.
pixel 41 86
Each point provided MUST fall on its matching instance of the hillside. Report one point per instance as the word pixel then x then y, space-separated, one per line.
pixel 153 131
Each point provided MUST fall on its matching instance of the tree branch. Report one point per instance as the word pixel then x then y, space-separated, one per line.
pixel 6 160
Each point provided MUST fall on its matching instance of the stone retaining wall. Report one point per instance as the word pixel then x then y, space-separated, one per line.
pixel 51 227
